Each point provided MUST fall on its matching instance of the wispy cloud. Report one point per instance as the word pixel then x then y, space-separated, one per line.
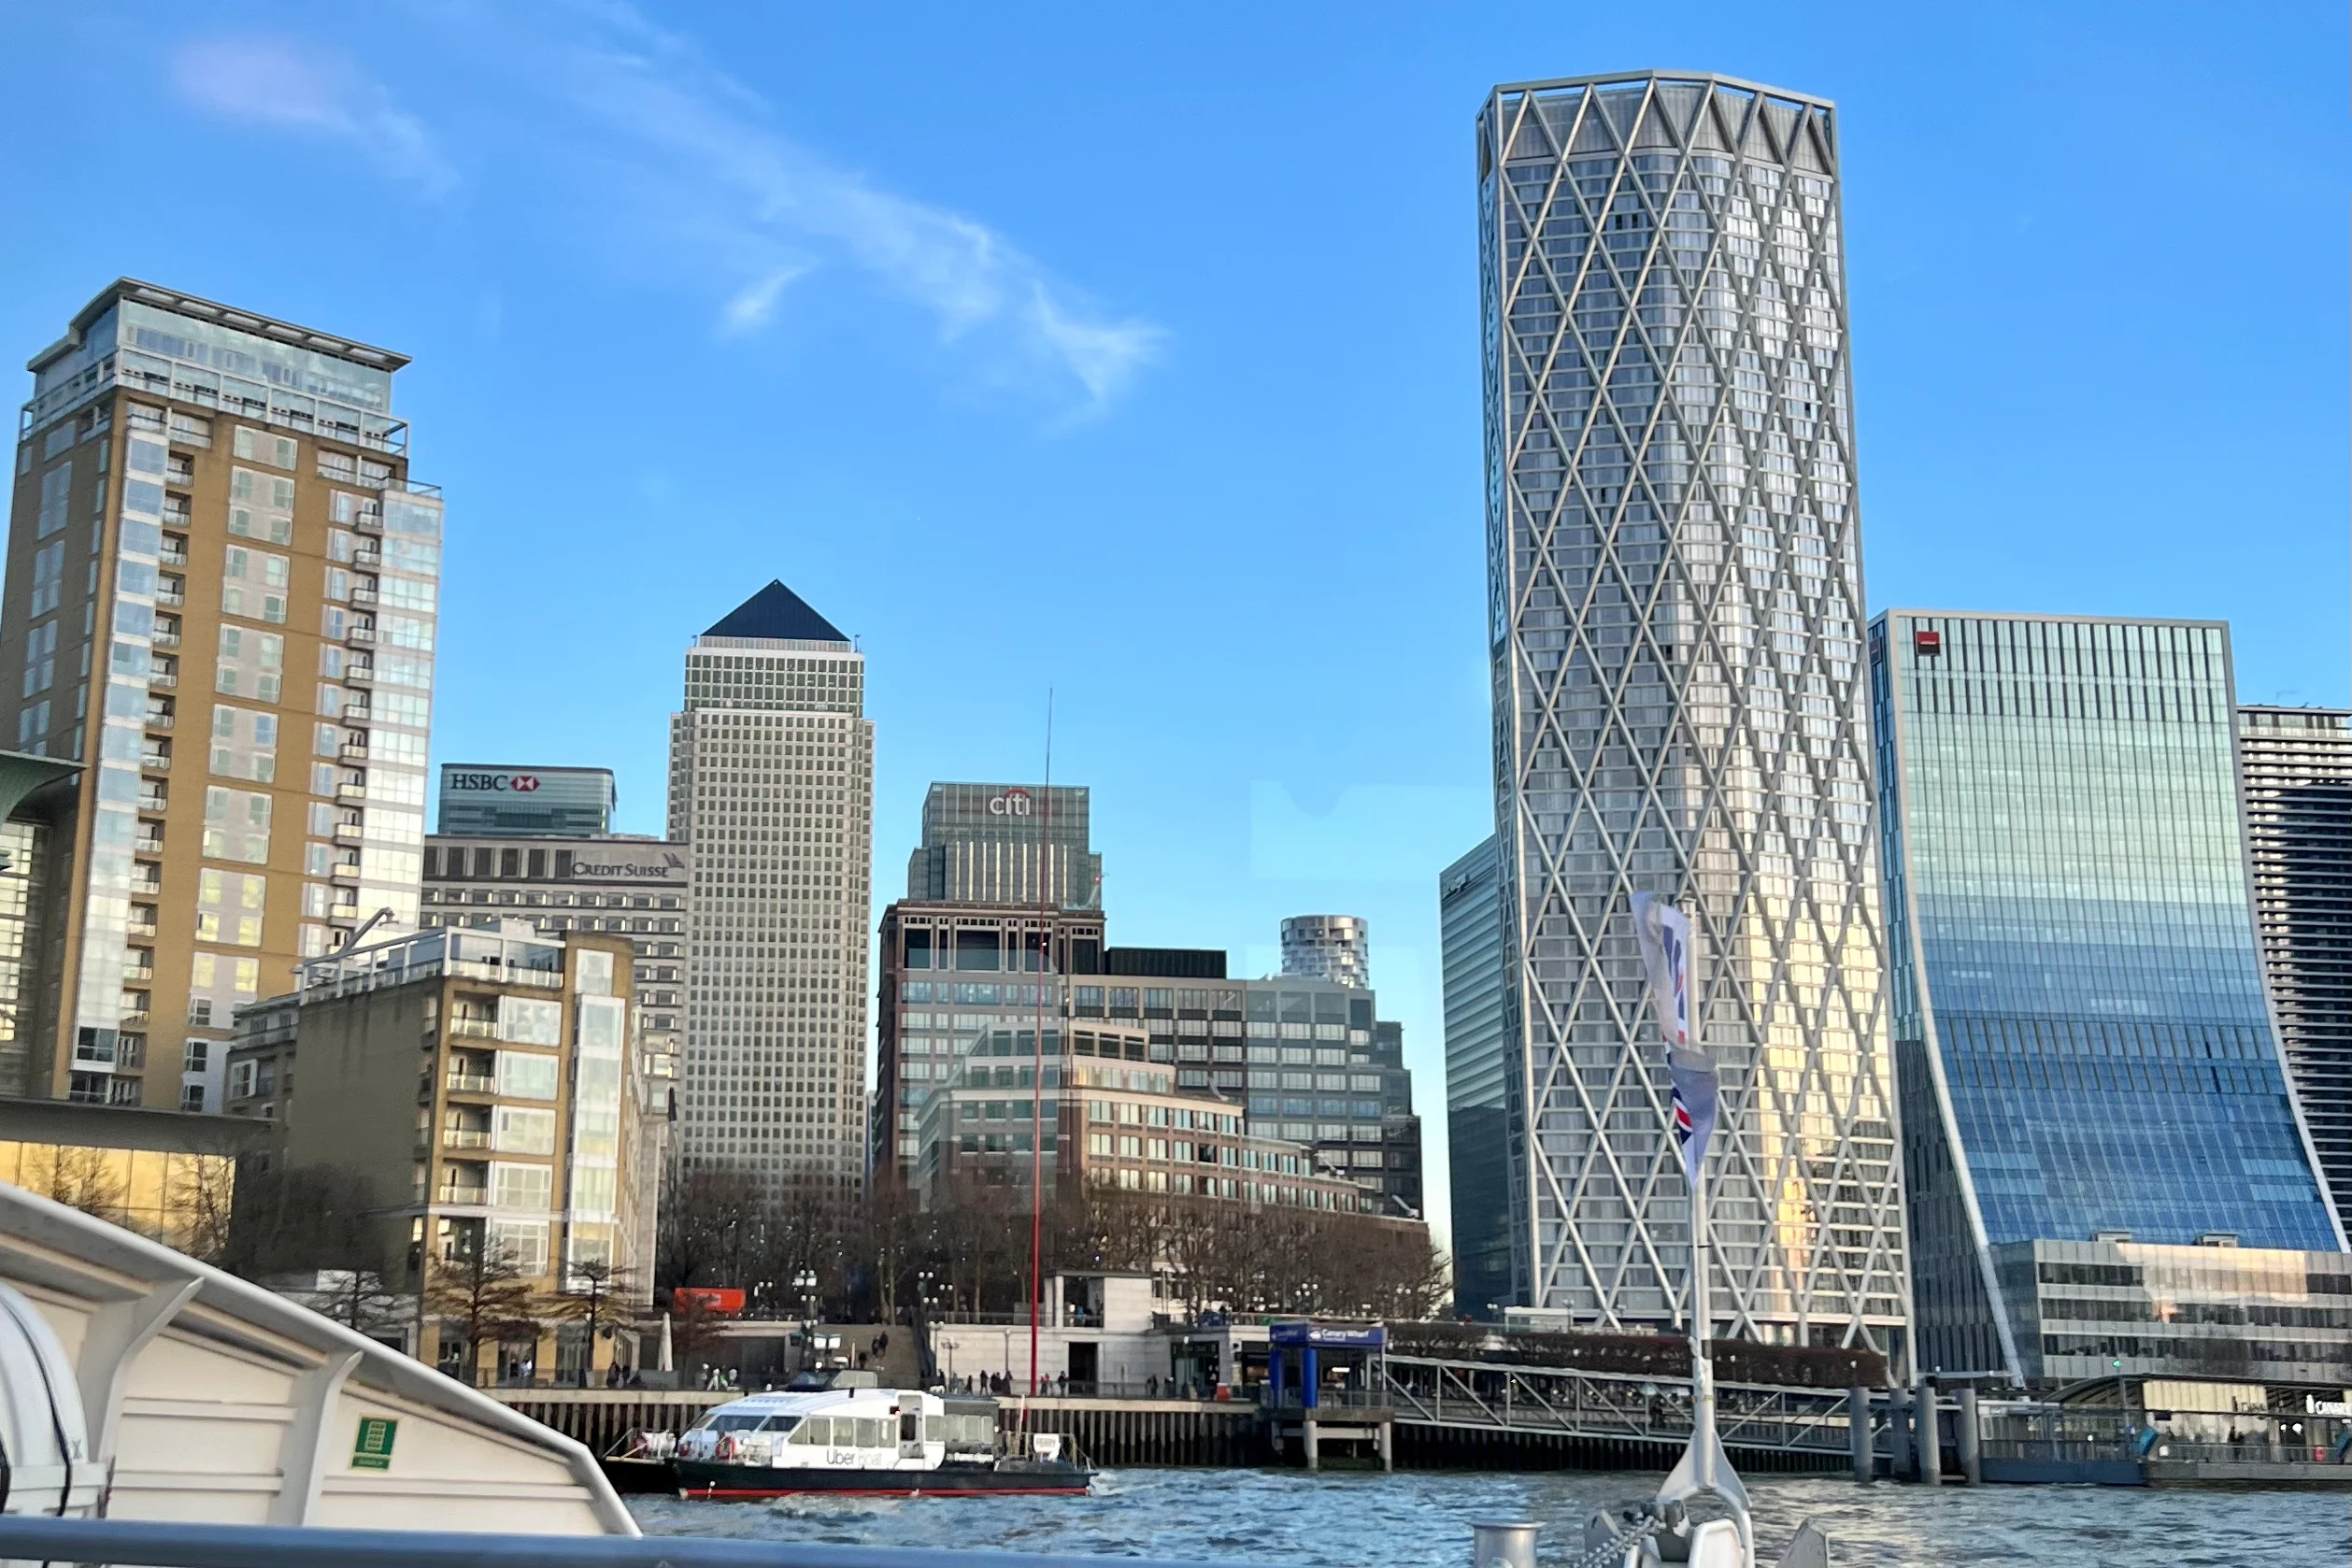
pixel 663 156
pixel 754 306
pixel 289 86
pixel 706 142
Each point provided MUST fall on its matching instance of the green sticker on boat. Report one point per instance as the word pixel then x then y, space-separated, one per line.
pixel 372 1451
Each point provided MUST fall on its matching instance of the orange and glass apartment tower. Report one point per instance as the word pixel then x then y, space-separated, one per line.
pixel 221 596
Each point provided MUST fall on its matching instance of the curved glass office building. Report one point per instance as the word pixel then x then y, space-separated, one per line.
pixel 2088 1058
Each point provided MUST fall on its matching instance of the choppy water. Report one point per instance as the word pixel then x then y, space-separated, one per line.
pixel 1422 1520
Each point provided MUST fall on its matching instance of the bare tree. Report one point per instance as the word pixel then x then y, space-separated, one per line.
pixel 201 1197
pixel 486 1294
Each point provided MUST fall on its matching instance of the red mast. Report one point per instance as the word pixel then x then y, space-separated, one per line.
pixel 1037 1078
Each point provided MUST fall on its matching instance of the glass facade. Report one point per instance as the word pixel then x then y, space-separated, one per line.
pixel 1335 947
pixel 241 657
pixel 1477 1080
pixel 2096 1309
pixel 2078 1001
pixel 1680 704
pixel 481 801
pixel 982 844
pixel 2296 764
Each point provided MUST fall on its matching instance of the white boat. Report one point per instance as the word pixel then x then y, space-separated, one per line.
pixel 864 1441
pixel 140 1384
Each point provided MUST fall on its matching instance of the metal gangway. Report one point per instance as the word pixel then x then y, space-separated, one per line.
pixel 1616 1407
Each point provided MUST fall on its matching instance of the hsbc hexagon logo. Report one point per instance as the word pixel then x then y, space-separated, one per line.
pixel 522 783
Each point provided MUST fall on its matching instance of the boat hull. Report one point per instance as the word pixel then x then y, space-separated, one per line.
pixel 709 1480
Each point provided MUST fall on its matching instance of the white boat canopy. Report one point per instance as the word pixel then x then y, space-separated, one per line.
pixel 189 1394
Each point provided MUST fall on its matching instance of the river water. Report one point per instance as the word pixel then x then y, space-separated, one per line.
pixel 1422 1519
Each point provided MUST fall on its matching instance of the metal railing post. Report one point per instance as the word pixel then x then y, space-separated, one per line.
pixel 1495 1544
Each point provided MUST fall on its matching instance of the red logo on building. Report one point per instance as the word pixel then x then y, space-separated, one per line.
pixel 522 783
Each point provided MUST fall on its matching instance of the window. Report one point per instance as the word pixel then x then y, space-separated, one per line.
pixel 518 1186
pixel 56 487
pixel 258 445
pixel 523 1075
pixel 518 1130
pixel 49 577
pixel 523 1242
pixel 530 1022
pixel 40 660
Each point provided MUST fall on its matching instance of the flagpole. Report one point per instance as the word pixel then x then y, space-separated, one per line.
pixel 1703 1438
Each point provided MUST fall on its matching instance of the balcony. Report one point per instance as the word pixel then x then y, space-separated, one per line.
pixel 353 753
pixel 175 551
pixel 369 556
pixel 158 720
pixel 167 679
pixel 147 844
pixel 170 598
pixel 370 520
pixel 166 636
pixel 361 636
pixel 134 1021
pixel 155 762
pixel 465 1137
pixel 180 473
pixel 358 674
pixel 344 871
pixel 347 914
pixel 472 1083
pixel 350 791
pixel 347 833
pixel 176 513
pixel 357 709
pixel 138 974
pixel 474 1028
pixel 152 803
pixel 151 886
pixel 462 1195
pixel 362 595
pixel 140 928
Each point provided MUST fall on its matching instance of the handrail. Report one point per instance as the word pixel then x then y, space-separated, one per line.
pixel 148 1543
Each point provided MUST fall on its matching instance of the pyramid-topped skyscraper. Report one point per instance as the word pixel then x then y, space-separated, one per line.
pixel 772 781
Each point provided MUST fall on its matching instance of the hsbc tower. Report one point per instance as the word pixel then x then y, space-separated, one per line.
pixel 480 800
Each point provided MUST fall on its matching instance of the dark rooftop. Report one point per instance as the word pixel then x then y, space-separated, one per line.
pixel 777 614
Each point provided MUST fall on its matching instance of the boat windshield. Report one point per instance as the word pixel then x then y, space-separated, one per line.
pixel 715 1422
pixel 779 1423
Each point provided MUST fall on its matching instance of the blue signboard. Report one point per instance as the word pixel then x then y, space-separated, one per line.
pixel 1329 1337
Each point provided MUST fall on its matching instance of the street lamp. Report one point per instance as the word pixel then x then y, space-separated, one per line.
pixel 805 1283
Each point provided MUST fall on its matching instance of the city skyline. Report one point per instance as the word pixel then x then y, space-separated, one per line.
pixel 896 442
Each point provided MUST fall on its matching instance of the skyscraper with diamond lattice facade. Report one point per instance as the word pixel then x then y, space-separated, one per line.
pixel 1674 588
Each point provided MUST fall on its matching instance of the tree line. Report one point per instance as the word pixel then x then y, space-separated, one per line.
pixel 895 1258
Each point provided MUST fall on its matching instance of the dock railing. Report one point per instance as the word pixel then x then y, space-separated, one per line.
pixel 144 1544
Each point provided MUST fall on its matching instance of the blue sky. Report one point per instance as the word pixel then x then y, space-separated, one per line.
pixel 1133 354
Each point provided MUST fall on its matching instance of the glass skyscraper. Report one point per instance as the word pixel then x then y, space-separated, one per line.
pixel 1675 587
pixel 2083 1041
pixel 2296 767
pixel 1477 1078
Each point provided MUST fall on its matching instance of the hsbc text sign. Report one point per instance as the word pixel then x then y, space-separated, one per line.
pixel 490 783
